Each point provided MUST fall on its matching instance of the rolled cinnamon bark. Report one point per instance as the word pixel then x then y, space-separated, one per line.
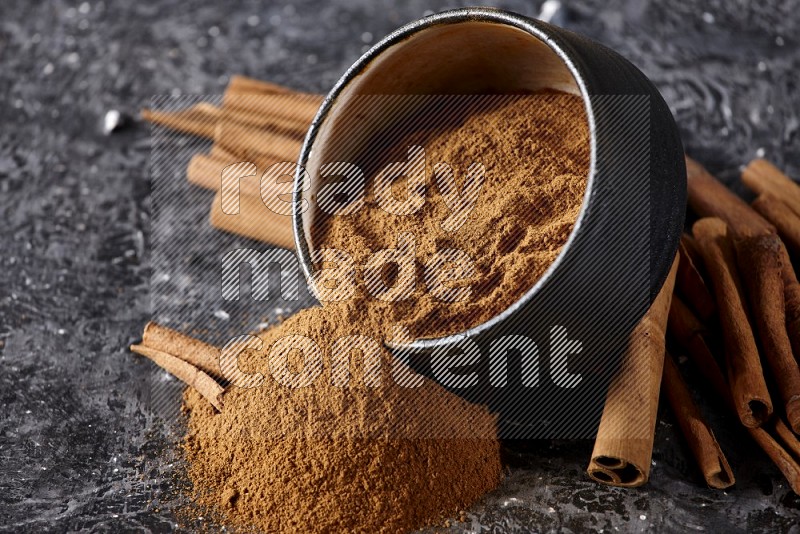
pixel 704 446
pixel 785 220
pixel 780 454
pixel 624 444
pixel 692 335
pixel 205 170
pixel 745 375
pixel 202 355
pixel 290 126
pixel 761 176
pixel 792 296
pixel 186 372
pixel 774 438
pixel 239 84
pixel 299 108
pixel 254 220
pixel 249 143
pixel 200 119
pixel 691 284
pixel 210 172
pixel 759 260
pixel 708 197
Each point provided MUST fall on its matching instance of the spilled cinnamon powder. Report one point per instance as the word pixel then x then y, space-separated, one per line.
pixel 360 458
pixel 368 445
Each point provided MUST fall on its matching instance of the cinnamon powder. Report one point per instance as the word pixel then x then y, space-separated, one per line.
pixel 376 456
pixel 535 151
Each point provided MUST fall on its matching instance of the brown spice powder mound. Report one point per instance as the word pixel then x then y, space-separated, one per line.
pixel 330 458
pixel 536 153
pixel 382 457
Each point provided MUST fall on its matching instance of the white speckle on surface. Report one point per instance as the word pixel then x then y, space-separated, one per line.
pixel 760 152
pixel 111 121
pixel 643 517
pixel 222 314
pixel 27 412
pixel 84 8
pixel 549 10
pixel 366 37
pixel 253 20
pixel 48 69
pixel 551 510
pixel 213 31
pixel 61 331
pixel 73 58
pixel 708 18
pixel 762 67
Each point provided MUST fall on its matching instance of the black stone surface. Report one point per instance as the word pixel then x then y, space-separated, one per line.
pixel 80 449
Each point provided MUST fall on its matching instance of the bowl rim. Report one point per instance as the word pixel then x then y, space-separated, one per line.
pixel 537 29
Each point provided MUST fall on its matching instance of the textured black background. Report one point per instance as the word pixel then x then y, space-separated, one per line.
pixel 78 447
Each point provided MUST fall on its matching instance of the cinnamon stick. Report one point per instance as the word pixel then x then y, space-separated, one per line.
pixel 202 355
pixel 254 220
pixel 745 375
pixel 200 119
pixel 708 197
pixel 249 143
pixel 761 176
pixel 775 438
pixel 785 220
pixel 297 107
pixel 186 372
pixel 704 446
pixel 780 456
pixel 242 84
pixel 210 172
pixel 205 170
pixel 692 335
pixel 759 260
pixel 691 284
pixel 792 296
pixel 624 444
pixel 294 126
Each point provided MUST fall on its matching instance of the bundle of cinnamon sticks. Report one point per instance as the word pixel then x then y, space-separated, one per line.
pixel 733 285
pixel 259 124
pixel 735 313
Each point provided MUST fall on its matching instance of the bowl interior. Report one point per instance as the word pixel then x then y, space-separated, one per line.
pixel 467 57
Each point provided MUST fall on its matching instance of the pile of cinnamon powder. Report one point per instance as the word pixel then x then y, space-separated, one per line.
pixel 376 456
